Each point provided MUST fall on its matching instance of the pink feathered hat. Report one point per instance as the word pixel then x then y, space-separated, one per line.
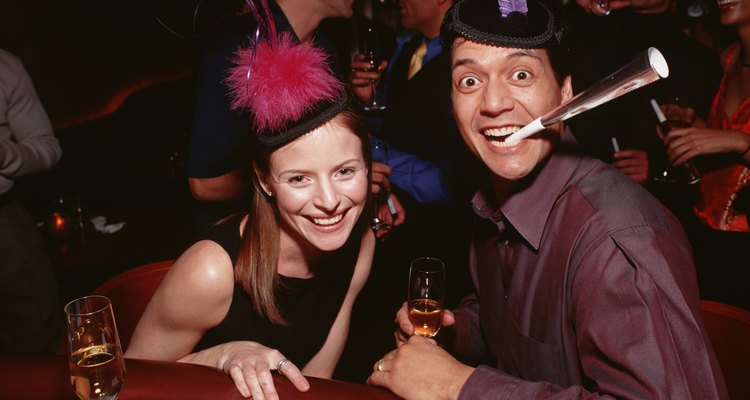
pixel 288 88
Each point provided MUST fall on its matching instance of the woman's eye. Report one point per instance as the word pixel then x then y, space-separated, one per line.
pixel 468 81
pixel 346 171
pixel 521 75
pixel 297 179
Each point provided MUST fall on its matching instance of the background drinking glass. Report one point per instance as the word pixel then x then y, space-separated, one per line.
pixel 426 294
pixel 97 366
pixel 675 116
pixel 369 48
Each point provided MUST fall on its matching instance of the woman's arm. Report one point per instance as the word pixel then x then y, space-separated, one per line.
pixel 194 296
pixel 324 362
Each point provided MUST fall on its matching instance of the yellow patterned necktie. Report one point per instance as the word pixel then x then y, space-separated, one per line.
pixel 416 59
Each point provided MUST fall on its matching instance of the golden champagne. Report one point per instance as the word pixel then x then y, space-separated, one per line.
pixel 426 315
pixel 97 372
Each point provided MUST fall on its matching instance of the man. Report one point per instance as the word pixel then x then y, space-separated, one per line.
pixel 32 316
pixel 218 157
pixel 584 284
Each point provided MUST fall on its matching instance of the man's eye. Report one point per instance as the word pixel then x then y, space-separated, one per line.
pixel 469 81
pixel 521 75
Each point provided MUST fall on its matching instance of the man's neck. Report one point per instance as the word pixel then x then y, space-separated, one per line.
pixel 502 188
pixel 303 21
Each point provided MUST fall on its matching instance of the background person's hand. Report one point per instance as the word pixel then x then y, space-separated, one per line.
pixel 634 164
pixel 361 79
pixel 684 144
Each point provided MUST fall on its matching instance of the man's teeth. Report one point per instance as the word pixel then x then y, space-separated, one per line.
pixel 727 2
pixel 328 221
pixel 497 136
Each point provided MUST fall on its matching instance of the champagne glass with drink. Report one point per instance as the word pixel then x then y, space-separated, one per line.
pixel 369 48
pixel 95 359
pixel 426 294
pixel 687 172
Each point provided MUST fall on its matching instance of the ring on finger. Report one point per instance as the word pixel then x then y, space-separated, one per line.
pixel 281 364
pixel 380 366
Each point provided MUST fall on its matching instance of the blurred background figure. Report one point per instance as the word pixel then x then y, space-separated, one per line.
pixel 32 315
pixel 424 149
pixel 601 44
pixel 721 149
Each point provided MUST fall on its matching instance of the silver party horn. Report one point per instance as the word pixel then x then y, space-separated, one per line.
pixel 647 67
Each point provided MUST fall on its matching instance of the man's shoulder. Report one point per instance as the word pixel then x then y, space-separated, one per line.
pixel 603 197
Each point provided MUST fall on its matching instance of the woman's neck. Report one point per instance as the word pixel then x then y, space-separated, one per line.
pixel 295 261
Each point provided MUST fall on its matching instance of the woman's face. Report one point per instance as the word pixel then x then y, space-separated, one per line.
pixel 734 12
pixel 320 186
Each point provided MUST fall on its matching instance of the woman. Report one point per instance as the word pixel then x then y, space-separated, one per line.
pixel 273 289
pixel 723 144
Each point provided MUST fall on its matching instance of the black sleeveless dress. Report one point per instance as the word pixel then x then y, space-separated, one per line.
pixel 310 306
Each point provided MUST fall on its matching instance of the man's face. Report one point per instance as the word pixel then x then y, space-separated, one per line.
pixel 496 91
pixel 418 14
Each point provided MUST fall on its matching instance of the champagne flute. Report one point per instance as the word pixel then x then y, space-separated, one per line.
pixel 426 294
pixel 369 48
pixel 686 172
pixel 95 359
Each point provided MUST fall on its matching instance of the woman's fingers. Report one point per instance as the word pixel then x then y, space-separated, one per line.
pixel 291 372
pixel 235 371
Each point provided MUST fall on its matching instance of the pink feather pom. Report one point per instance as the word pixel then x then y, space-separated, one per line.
pixel 286 80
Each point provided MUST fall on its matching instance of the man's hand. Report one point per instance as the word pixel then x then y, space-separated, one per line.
pixel 420 369
pixel 361 78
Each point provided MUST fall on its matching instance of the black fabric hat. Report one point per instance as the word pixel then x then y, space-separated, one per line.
pixel 532 24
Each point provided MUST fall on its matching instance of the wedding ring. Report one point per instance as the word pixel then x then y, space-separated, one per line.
pixel 281 364
pixel 380 365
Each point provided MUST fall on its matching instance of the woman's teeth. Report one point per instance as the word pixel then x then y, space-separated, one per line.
pixel 497 136
pixel 328 221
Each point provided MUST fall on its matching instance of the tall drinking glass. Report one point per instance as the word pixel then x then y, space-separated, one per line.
pixel 96 362
pixel 369 48
pixel 426 294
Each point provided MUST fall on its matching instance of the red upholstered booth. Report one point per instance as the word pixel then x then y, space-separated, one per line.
pixel 729 330
pixel 130 292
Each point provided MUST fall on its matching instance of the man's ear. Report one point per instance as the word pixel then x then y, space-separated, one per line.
pixel 566 90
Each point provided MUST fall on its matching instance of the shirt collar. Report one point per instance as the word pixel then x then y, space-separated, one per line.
pixel 528 209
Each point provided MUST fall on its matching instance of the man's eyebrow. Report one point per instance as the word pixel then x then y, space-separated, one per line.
pixel 463 61
pixel 516 54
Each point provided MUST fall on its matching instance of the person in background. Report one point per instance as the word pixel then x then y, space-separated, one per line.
pixel 721 149
pixel 273 288
pixel 217 170
pixel 601 44
pixel 32 316
pixel 430 167
pixel 584 283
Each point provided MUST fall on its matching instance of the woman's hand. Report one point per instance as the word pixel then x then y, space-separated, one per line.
pixel 684 144
pixel 250 365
